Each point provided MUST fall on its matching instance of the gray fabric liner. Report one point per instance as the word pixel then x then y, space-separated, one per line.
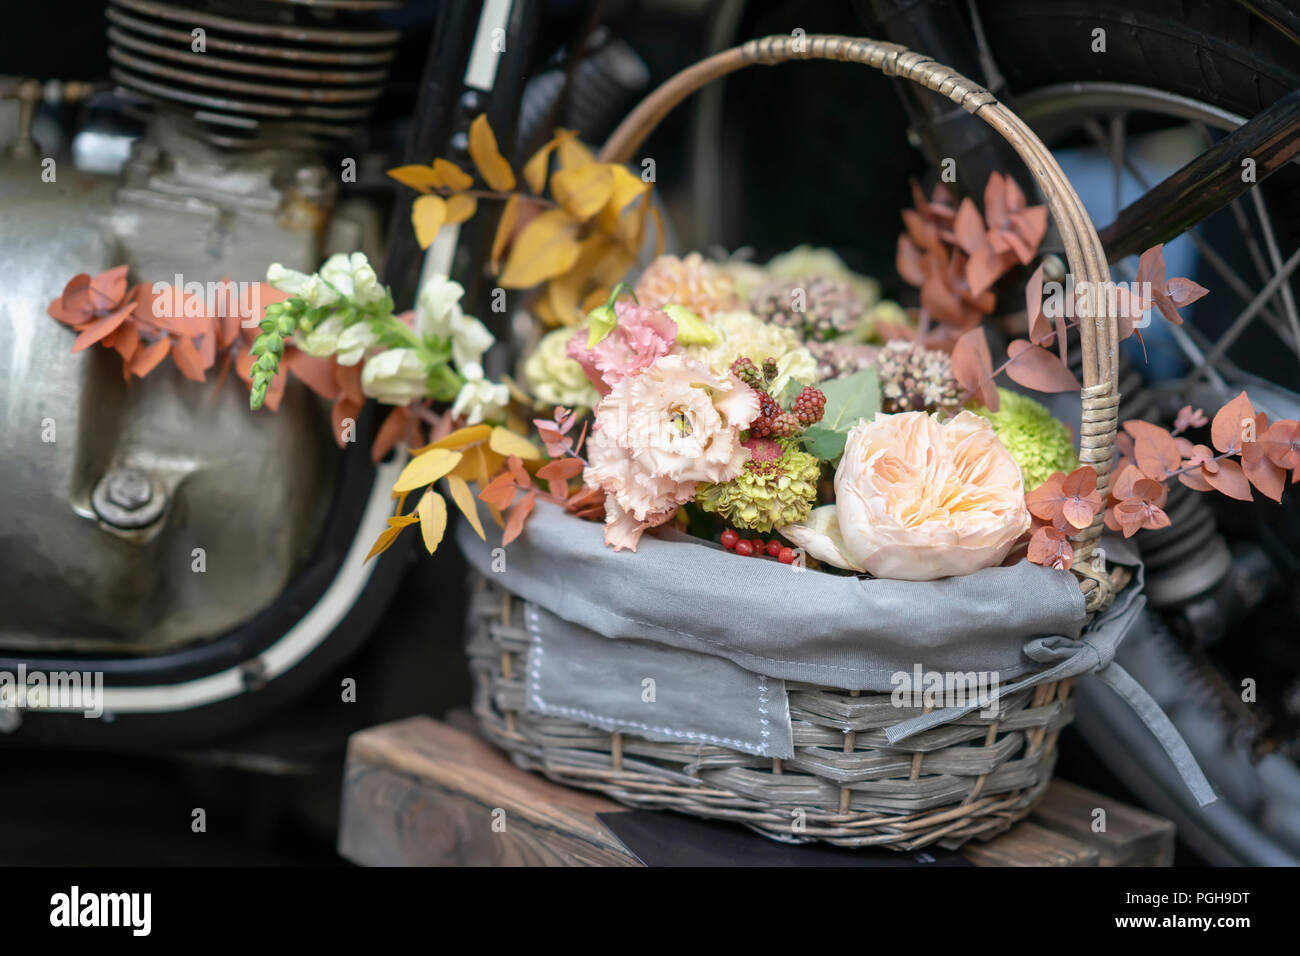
pixel 1022 621
pixel 698 698
pixel 767 617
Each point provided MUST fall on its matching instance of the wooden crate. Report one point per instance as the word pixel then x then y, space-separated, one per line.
pixel 420 792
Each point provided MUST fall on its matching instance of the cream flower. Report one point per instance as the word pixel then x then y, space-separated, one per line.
pixel 743 333
pixel 322 340
pixel 395 376
pixel 353 277
pixel 438 314
pixel 286 280
pixel 556 379
pixel 917 500
pixel 354 341
pixel 480 400
pixel 658 434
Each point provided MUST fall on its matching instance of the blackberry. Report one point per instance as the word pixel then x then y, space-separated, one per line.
pixel 768 412
pixel 745 370
pixel 809 405
pixel 786 425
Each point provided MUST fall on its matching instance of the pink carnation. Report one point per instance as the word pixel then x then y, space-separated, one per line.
pixel 657 435
pixel 641 336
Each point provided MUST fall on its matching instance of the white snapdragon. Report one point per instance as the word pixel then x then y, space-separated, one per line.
pixel 354 341
pixel 353 277
pixel 321 341
pixel 438 313
pixel 480 400
pixel 395 376
pixel 286 280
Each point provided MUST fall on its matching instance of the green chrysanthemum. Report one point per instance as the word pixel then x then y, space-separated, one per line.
pixel 1040 443
pixel 777 488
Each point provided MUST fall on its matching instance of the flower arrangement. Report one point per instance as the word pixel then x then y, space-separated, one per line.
pixel 733 399
pixel 787 412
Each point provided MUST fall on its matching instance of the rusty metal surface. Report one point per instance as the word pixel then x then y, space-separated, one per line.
pixel 253 70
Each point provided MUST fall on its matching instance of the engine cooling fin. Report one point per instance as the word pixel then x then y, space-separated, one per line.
pixel 312 69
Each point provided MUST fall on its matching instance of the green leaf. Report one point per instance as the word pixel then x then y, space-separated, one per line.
pixel 848 401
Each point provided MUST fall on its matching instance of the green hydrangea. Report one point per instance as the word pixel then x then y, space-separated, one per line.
pixel 1039 442
pixel 556 379
pixel 778 487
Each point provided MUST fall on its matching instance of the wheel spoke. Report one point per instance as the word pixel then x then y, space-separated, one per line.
pixel 1241 321
pixel 1275 257
pixel 1216 261
pixel 1118 138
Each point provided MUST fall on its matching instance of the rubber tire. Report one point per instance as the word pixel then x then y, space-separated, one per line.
pixel 1215 51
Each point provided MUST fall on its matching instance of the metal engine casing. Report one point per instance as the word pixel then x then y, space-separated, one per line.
pixel 249 489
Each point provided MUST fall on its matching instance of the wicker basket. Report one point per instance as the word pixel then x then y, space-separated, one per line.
pixel 845 784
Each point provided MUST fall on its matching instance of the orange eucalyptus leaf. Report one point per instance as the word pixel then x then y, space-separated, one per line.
pixel 518 515
pixel 1034 367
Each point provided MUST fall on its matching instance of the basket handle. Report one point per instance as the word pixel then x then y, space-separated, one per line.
pixel 1087 262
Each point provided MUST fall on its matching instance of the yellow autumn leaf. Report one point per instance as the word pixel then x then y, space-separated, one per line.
pixel 505 442
pixel 460 207
pixel 423 178
pixel 563 291
pixel 562 299
pixel 536 167
pixel 492 166
pixel 544 249
pixel 451 176
pixel 630 231
pixel 583 190
pixel 432 510
pixel 506 226
pixel 627 187
pixel 464 498
pixel 573 152
pixel 479 465
pixel 389 534
pixel 427 468
pixel 427 215
pixel 460 438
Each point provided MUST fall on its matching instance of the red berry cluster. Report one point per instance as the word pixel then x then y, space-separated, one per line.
pixel 732 541
pixel 773 421
pixel 809 405
pixel 768 412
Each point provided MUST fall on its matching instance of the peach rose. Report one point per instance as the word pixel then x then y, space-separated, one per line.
pixel 660 432
pixel 917 500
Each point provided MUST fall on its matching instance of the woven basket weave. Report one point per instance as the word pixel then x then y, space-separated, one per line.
pixel 845 785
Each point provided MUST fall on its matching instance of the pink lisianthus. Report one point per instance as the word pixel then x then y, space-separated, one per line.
pixel 659 433
pixel 641 336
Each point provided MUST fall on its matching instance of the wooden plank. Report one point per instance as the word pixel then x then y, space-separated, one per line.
pixel 1130 837
pixel 421 793
pixel 1028 844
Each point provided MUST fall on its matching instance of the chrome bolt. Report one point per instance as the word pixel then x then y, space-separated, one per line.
pixel 128 498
